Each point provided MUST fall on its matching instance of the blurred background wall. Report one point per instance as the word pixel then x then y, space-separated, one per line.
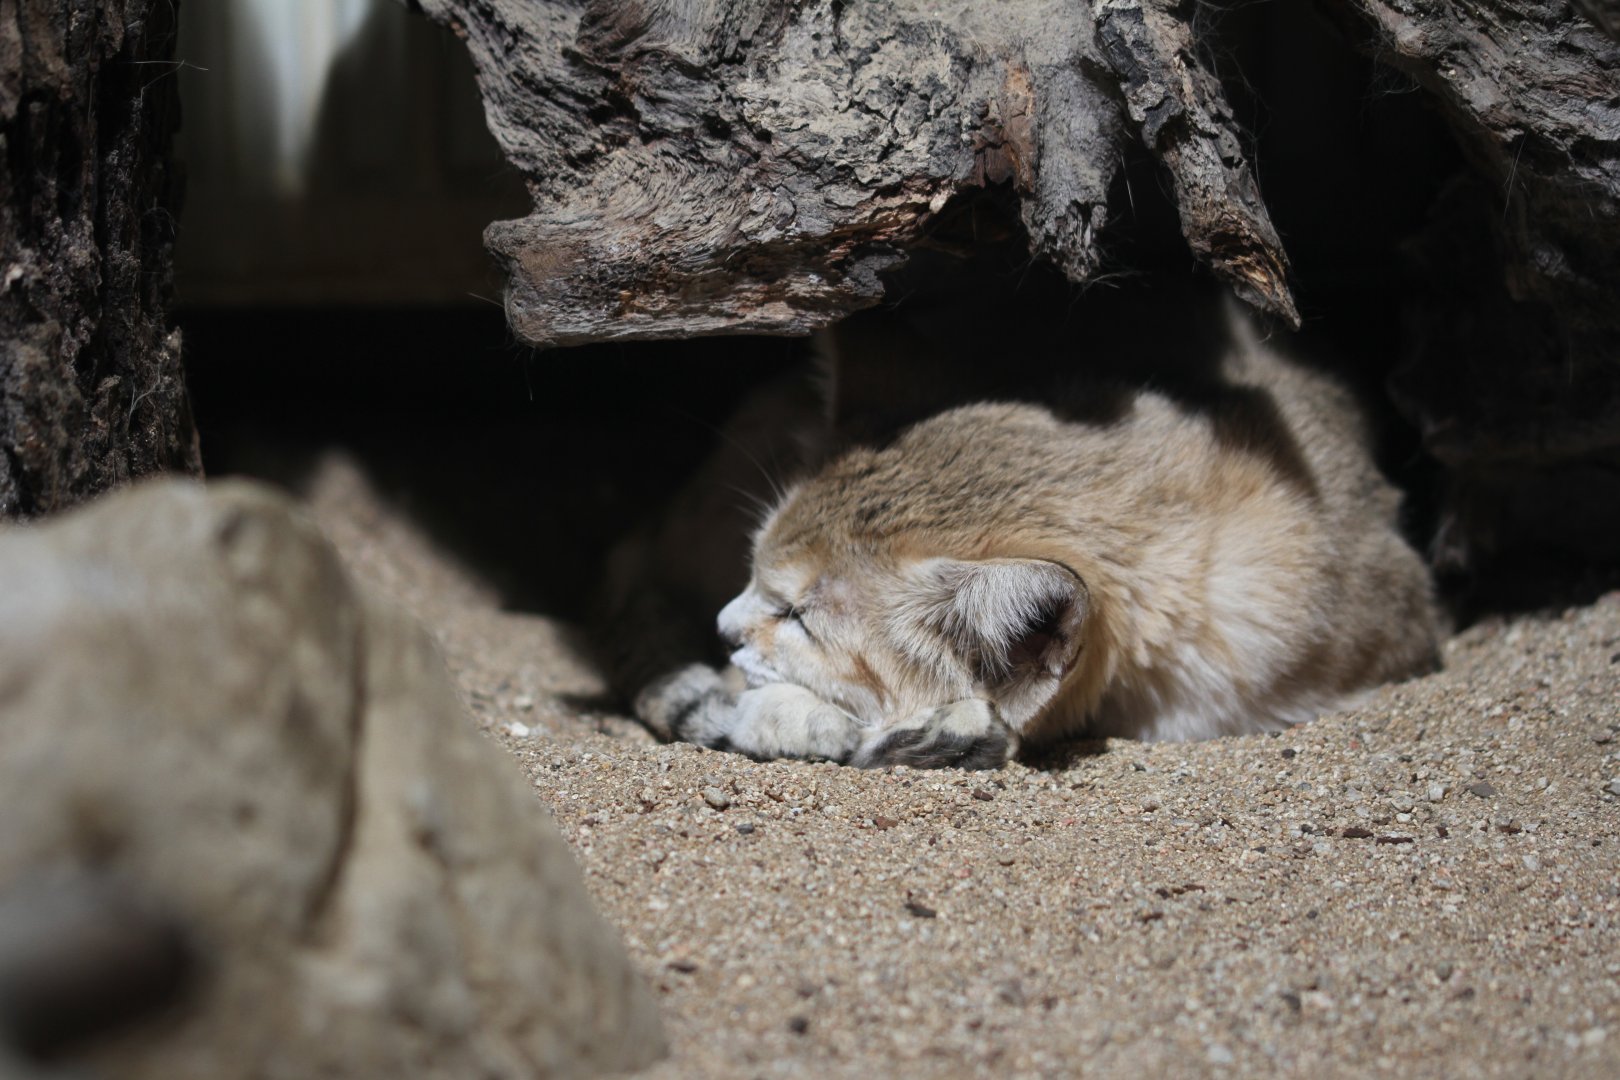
pixel 335 297
pixel 335 153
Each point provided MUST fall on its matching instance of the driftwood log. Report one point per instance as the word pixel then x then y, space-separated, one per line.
pixel 91 389
pixel 756 166
pixel 750 165
pixel 753 166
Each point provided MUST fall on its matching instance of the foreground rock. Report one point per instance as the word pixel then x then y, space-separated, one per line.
pixel 249 834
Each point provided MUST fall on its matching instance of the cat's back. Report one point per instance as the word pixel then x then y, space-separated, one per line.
pixel 1319 426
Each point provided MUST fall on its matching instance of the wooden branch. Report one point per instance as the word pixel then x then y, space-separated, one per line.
pixel 752 166
pixel 1186 121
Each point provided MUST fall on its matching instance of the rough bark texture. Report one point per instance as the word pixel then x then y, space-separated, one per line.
pixel 753 165
pixel 1186 122
pixel 91 390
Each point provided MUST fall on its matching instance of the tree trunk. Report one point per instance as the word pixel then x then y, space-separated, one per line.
pixel 91 390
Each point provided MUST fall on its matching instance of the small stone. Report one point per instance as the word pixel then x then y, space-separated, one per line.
pixel 1219 1055
pixel 716 798
pixel 1436 792
pixel 1356 832
pixel 1484 789
pixel 1613 787
pixel 1531 863
pixel 1402 802
pixel 746 827
pixel 982 795
pixel 881 822
pixel 798 1024
pixel 1289 753
pixel 523 703
pixel 520 730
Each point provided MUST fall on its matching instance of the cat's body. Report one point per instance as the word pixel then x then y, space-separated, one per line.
pixel 1146 563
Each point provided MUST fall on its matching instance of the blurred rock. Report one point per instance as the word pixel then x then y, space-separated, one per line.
pixel 249 831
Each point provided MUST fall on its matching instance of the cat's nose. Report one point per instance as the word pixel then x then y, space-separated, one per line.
pixel 731 624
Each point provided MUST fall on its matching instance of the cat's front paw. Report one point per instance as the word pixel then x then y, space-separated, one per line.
pixel 967 734
pixel 780 720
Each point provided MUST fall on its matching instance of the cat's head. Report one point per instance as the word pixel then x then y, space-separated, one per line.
pixel 886 631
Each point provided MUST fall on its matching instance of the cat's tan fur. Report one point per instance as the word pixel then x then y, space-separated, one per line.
pixel 1171 570
pixel 1217 586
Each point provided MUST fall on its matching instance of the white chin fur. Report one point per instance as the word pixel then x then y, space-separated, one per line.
pixel 754 668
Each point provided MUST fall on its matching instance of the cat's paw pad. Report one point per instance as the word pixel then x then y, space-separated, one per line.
pixel 784 721
pixel 968 734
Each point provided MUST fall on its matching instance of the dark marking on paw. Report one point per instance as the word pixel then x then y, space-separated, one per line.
pixel 921 749
pixel 683 717
pixel 893 748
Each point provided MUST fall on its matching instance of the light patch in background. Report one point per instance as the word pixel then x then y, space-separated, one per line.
pixel 297 41
pixel 335 152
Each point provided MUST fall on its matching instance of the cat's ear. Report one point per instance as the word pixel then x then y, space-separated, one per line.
pixel 1016 623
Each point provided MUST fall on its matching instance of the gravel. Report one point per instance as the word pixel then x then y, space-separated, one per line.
pixel 1255 906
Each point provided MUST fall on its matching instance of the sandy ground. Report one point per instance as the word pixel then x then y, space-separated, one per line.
pixel 1427 886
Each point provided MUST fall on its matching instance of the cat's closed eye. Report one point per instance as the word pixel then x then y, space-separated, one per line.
pixel 792 613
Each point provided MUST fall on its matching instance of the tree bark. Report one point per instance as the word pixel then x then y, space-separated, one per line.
pixel 751 166
pixel 91 389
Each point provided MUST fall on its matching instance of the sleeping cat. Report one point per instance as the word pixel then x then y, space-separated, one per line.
pixel 1212 554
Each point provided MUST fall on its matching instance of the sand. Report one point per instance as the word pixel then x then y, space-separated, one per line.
pixel 1426 886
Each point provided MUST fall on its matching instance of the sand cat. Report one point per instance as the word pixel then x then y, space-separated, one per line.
pixel 1210 554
